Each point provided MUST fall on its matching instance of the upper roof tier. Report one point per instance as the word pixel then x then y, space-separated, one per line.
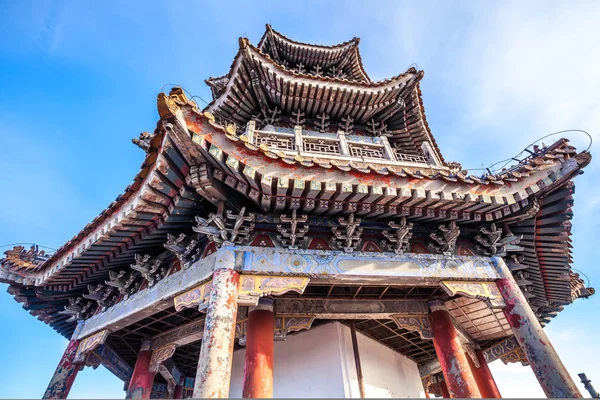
pixel 341 60
pixel 258 87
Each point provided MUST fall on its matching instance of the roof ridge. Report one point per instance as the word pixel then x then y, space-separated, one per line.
pixel 351 45
pixel 245 44
pixel 269 30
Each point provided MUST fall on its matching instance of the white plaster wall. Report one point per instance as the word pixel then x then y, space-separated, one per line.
pixel 320 363
pixel 306 365
pixel 387 373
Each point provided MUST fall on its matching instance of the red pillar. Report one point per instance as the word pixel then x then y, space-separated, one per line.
pixel 65 374
pixel 483 377
pixel 455 367
pixel 178 392
pixel 444 390
pixel 545 363
pixel 258 368
pixel 140 385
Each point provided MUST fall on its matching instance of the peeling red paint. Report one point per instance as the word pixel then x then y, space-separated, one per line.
pixel 455 367
pixel 545 363
pixel 216 354
pixel 258 369
pixel 140 385
pixel 64 376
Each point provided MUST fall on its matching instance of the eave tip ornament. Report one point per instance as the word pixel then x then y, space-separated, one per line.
pixel 19 258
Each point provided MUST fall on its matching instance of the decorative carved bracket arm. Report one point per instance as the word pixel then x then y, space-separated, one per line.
pixel 283 325
pixel 253 287
pixel 508 350
pixel 414 322
pixel 161 355
pixel 486 291
pixel 88 344
pixel 470 350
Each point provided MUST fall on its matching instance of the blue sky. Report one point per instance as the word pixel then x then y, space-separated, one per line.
pixel 79 79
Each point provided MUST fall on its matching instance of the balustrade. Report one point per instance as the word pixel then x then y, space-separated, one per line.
pixel 338 147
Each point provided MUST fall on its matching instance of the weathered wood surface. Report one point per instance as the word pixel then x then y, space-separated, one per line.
pixel 151 300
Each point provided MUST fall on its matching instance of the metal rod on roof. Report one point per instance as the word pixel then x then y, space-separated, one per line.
pixel 588 385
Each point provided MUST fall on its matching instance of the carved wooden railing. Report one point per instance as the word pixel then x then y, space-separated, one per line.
pixel 335 148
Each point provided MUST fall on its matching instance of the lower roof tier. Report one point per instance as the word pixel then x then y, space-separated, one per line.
pixel 194 165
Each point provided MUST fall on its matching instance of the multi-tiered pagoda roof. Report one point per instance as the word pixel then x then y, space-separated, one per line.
pixel 299 132
pixel 285 82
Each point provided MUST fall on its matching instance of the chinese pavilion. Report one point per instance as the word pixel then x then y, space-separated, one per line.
pixel 303 235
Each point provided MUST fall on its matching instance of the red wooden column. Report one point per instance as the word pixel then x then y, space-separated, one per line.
pixel 544 361
pixel 483 377
pixel 455 367
pixel 258 367
pixel 140 385
pixel 178 392
pixel 216 353
pixel 65 374
pixel 444 390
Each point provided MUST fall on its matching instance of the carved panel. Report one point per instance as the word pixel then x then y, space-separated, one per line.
pixel 161 355
pixel 252 287
pixel 468 348
pixel 93 360
pixel 88 344
pixel 196 297
pixel 180 336
pixel 486 291
pixel 508 351
pixel 283 325
pixel 412 322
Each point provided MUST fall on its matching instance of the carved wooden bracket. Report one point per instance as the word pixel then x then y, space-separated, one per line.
pixel 508 350
pixel 468 348
pixel 161 355
pixel 196 297
pixel 253 287
pixel 283 325
pixel 347 235
pixel 186 251
pixel 150 271
pixel 412 322
pixel 445 239
pixel 88 344
pixel 398 241
pixel 486 291
pixel 92 360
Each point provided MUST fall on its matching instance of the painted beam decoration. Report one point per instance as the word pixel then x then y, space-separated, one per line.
pixel 253 287
pixel 161 355
pixel 113 362
pixel 180 336
pixel 284 324
pixel 486 291
pixel 88 344
pixel 418 323
pixel 508 351
pixel 196 297
pixel 337 265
